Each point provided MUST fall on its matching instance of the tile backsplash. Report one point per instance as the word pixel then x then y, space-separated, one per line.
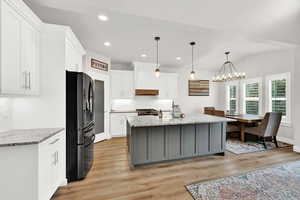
pixel 141 103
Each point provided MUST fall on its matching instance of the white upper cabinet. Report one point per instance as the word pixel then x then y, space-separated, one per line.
pixel 11 75
pixel 121 84
pixel 30 58
pixel 20 47
pixel 74 53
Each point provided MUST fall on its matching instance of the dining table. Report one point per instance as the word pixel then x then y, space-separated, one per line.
pixel 244 120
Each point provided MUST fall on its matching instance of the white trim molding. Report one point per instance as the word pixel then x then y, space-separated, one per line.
pixel 296 149
pixel 260 92
pixel 64 182
pixel 286 121
pixel 237 85
pixel 100 137
pixel 286 140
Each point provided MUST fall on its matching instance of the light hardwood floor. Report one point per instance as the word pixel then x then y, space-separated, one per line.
pixel 111 177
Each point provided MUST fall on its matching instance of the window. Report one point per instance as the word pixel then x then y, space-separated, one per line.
pixel 252 97
pixel 232 101
pixel 278 99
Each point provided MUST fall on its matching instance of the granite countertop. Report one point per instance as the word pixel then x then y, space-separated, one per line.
pixel 132 111
pixel 27 136
pixel 144 121
pixel 123 111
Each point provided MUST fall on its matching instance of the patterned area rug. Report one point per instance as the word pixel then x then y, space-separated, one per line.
pixel 279 182
pixel 238 147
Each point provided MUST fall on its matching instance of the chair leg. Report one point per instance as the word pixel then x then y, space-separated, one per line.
pixel 264 143
pixel 275 141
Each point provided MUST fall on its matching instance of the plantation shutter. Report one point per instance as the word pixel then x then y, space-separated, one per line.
pixel 232 93
pixel 279 96
pixel 252 98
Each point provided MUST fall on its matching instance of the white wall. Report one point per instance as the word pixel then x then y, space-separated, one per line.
pixel 264 64
pixel 296 107
pixel 48 109
pixel 87 62
pixel 5 114
pixel 195 104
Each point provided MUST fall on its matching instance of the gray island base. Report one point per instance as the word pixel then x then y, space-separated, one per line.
pixel 154 140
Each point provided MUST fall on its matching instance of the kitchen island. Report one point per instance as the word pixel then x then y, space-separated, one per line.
pixel 153 140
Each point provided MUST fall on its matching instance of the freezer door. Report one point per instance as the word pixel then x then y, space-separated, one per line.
pixel 86 154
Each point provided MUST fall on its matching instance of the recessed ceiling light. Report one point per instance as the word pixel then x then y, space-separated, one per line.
pixel 143 55
pixel 178 58
pixel 107 44
pixel 102 17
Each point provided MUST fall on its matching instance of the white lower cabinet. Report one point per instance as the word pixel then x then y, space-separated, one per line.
pixel 33 172
pixel 51 161
pixel 118 123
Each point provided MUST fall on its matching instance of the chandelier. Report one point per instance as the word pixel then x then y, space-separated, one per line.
pixel 228 72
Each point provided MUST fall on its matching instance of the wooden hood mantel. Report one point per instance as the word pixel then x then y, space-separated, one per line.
pixel 146 92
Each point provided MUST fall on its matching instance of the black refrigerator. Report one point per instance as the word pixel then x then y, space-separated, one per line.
pixel 80 119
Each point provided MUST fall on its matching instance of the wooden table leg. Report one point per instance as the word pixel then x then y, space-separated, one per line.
pixel 242 132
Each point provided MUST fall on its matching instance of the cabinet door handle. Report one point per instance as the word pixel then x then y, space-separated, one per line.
pixel 29 81
pixel 55 141
pixel 56 157
pixel 25 79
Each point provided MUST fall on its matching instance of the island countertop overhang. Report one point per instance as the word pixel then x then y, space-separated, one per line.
pixel 148 121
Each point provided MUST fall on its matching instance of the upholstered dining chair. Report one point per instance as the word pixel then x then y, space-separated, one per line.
pixel 268 128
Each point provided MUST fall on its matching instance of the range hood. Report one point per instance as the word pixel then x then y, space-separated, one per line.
pixel 146 92
pixel 145 82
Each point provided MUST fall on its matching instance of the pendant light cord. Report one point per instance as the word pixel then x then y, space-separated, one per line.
pixel 192 57
pixel 192 44
pixel 157 54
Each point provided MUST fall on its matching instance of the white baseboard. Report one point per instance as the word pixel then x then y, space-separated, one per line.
pixel 285 140
pixel 64 182
pixel 100 137
pixel 118 136
pixel 297 149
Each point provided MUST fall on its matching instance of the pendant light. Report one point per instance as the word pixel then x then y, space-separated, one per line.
pixel 192 74
pixel 157 71
pixel 228 72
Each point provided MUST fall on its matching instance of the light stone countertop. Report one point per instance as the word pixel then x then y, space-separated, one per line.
pixel 27 136
pixel 145 121
pixel 132 111
pixel 123 111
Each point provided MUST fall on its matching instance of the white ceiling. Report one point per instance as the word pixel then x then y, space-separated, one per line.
pixel 244 27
